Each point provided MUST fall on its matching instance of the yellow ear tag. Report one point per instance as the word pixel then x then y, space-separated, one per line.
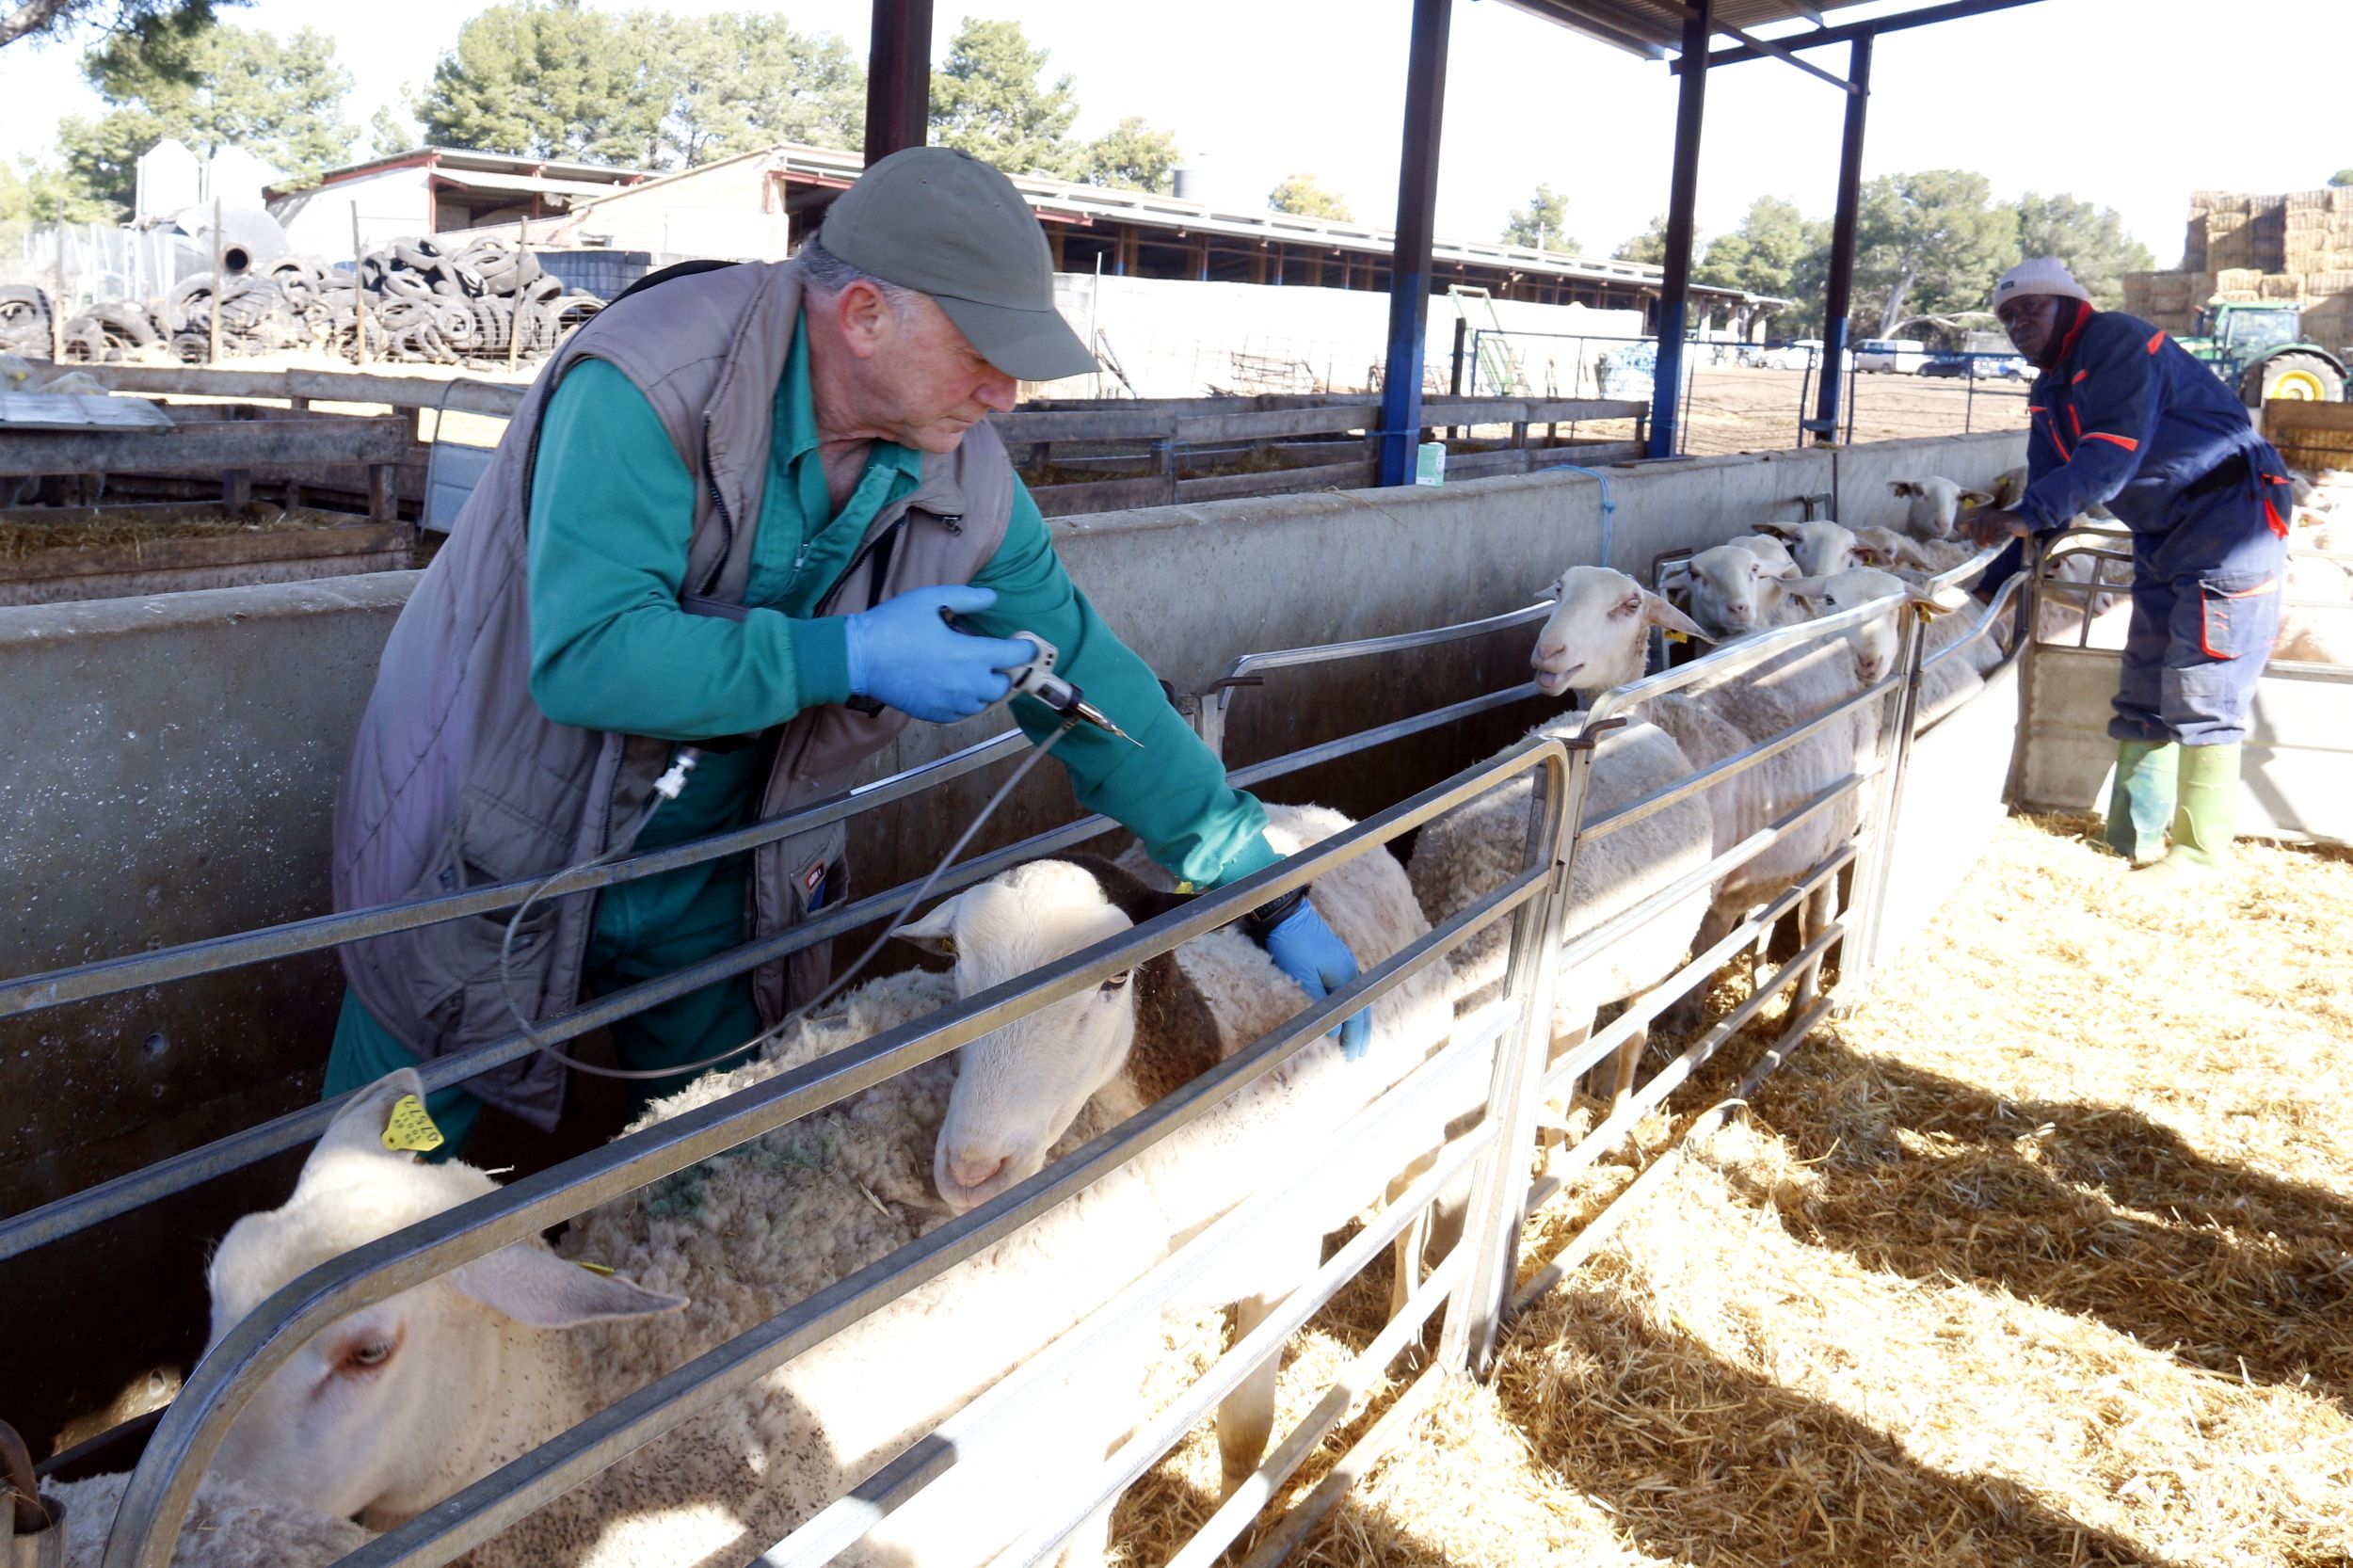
pixel 1187 888
pixel 410 1128
pixel 1674 636
pixel 593 1268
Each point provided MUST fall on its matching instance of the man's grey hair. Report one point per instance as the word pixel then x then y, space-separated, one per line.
pixel 828 274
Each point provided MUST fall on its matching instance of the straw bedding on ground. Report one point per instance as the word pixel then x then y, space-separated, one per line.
pixel 2044 1256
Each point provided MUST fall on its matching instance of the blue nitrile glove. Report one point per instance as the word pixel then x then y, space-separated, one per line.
pixel 904 656
pixel 1312 953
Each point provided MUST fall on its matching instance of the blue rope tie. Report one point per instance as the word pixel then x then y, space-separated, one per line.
pixel 1608 506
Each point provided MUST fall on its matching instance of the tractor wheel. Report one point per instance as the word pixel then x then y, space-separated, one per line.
pixel 2295 379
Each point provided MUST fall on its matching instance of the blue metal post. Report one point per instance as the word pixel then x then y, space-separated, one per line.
pixel 1839 304
pixel 1674 292
pixel 1409 265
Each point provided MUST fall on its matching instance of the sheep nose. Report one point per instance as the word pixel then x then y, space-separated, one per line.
pixel 978 1170
pixel 1548 652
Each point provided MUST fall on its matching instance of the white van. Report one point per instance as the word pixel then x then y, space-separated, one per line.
pixel 1902 356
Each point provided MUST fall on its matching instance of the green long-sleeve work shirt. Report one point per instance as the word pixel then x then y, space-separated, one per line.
pixel 611 513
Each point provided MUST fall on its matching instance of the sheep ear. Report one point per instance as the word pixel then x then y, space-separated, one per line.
pixel 936 932
pixel 358 1129
pixel 534 1286
pixel 1657 612
pixel 1977 497
pixel 1901 489
pixel 1552 589
pixel 1942 602
pixel 1871 555
pixel 1784 531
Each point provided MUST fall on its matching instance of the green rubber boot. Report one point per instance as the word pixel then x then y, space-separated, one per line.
pixel 2205 821
pixel 2141 802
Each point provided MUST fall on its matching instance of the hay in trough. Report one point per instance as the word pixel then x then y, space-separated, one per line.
pixel 24 540
pixel 2044 1256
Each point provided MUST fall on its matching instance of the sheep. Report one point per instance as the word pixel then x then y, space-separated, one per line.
pixel 1606 617
pixel 1889 550
pixel 1772 552
pixel 442 1382
pixel 229 1526
pixel 1095 1059
pixel 1943 686
pixel 1935 504
pixel 2316 634
pixel 1819 547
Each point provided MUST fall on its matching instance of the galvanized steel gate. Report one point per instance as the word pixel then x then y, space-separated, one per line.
pixel 1477 1282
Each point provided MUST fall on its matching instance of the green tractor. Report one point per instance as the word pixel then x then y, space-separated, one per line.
pixel 2260 349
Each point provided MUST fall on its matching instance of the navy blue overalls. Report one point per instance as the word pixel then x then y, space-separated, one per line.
pixel 2128 418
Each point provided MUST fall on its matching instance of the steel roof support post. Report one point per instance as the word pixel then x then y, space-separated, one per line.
pixel 1674 292
pixel 1409 264
pixel 1840 293
pixel 898 78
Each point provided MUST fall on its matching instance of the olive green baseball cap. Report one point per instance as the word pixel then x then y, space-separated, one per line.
pixel 945 224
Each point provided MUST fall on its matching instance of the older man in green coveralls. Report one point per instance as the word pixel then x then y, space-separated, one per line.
pixel 928 293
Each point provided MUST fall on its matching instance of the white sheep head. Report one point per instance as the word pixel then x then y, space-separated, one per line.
pixel 1936 505
pixel 378 1416
pixel 1821 547
pixel 1873 642
pixel 1889 550
pixel 1020 1086
pixel 1598 635
pixel 1731 594
pixel 1773 551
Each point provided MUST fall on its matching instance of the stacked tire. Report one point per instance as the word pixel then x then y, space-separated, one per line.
pixel 485 302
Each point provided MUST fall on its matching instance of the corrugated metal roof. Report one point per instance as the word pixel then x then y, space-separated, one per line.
pixel 1654 28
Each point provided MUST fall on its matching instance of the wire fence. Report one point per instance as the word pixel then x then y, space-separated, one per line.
pixel 90 264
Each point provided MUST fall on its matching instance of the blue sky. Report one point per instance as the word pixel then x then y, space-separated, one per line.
pixel 2124 102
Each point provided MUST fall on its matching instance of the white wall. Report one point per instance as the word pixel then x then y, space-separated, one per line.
pixel 1179 337
pixel 394 204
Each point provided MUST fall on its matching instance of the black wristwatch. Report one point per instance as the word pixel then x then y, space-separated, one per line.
pixel 1260 923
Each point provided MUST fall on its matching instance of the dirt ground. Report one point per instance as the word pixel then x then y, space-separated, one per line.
pixel 1732 409
pixel 2042 1256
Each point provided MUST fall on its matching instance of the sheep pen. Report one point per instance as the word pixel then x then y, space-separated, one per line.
pixel 2042 1256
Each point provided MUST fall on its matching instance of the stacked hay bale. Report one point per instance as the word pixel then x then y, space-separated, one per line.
pixel 2295 247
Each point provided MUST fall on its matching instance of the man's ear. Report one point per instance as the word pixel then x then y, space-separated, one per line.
pixel 865 318
pixel 936 932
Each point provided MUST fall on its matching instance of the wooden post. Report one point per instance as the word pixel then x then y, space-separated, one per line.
pixel 514 319
pixel 220 262
pixel 359 295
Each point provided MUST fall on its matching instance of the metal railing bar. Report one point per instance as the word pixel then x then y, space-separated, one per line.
pixel 1164 1430
pixel 155 1503
pixel 81 982
pixel 1586 944
pixel 1285 658
pixel 532 1480
pixel 1291 761
pixel 1606 1040
pixel 110 1199
pixel 1599 1228
pixel 1607 1132
pixel 845 1521
pixel 1983 626
pixel 1235 1514
pixel 1734 657
pixel 1277 1546
pixel 1740 761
